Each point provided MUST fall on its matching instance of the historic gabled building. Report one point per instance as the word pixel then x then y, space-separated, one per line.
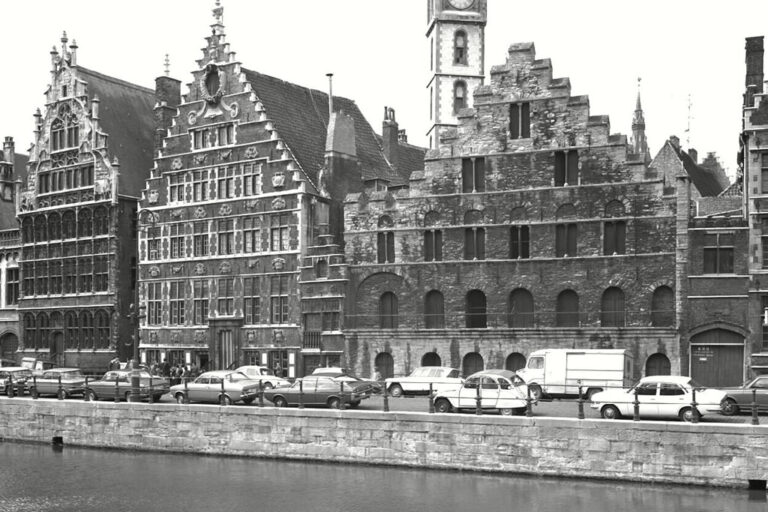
pixel 12 171
pixel 241 221
pixel 91 153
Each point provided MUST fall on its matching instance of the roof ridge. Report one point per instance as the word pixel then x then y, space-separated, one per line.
pixel 115 80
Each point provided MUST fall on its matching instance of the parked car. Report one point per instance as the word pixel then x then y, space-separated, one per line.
pixel 118 382
pixel 740 399
pixel 263 374
pixel 72 383
pixel 320 390
pixel 659 396
pixel 347 376
pixel 13 379
pixel 237 386
pixel 38 366
pixel 501 390
pixel 417 383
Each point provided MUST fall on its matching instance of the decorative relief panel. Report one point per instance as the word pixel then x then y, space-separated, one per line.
pixel 153 197
pixel 251 152
pixel 225 210
pixel 177 164
pixel 177 269
pixel 278 203
pixel 225 267
pixel 200 159
pixel 251 205
pixel 278 180
pixel 201 336
pixel 154 271
pixel 278 264
pixel 200 212
pixel 199 269
pixel 178 213
pixel 176 337
pixel 253 263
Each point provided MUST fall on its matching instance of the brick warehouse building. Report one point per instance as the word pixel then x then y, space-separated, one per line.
pixel 241 219
pixel 91 153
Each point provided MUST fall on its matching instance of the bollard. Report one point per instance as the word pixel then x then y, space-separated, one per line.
pixel 60 391
pixel 9 389
pixel 117 390
pixel 694 410
pixel 528 403
pixel 35 394
pixel 755 419
pixel 478 400
pixel 636 411
pixel 342 404
pixel 186 390
pixel 301 394
pixel 86 395
pixel 261 393
pixel 431 400
pixel 386 397
pixel 581 402
pixel 151 395
pixel 222 393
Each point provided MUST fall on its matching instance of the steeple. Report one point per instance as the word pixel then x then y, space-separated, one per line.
pixel 639 142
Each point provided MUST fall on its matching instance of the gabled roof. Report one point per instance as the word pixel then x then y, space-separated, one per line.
pixel 705 180
pixel 300 116
pixel 126 115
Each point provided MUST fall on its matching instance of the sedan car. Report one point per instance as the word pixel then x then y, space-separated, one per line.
pixel 347 376
pixel 740 399
pixel 14 379
pixel 265 375
pixel 659 396
pixel 224 387
pixel 118 383
pixel 500 390
pixel 61 382
pixel 319 390
pixel 417 383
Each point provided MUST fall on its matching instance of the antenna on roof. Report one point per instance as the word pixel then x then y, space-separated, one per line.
pixel 330 94
pixel 688 130
pixel 167 65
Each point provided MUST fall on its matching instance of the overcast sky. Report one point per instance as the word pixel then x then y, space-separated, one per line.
pixel 378 51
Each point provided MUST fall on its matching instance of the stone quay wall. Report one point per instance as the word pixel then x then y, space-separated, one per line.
pixel 668 452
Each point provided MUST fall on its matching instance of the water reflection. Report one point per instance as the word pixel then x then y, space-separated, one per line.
pixel 37 478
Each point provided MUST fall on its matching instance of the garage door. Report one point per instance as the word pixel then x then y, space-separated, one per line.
pixel 718 363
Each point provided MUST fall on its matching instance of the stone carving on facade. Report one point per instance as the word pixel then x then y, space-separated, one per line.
pixel 251 205
pixel 176 337
pixel 278 203
pixel 27 201
pixel 199 269
pixel 251 152
pixel 153 197
pixel 250 338
pixel 211 78
pixel 225 267
pixel 178 213
pixel 200 159
pixel 154 271
pixel 278 180
pixel 225 210
pixel 192 118
pixel 200 212
pixel 177 164
pixel 233 109
pixel 153 337
pixel 253 263
pixel 102 189
pixel 225 155
pixel 201 337
pixel 177 269
pixel 278 264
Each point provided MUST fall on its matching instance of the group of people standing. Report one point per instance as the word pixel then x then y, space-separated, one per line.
pixel 177 373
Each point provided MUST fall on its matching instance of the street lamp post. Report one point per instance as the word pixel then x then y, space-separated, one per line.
pixel 136 314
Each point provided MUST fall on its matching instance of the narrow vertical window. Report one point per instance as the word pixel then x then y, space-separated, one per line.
pixel 226 183
pixel 718 253
pixel 12 286
pixel 226 296
pixel 565 240
pixel 226 235
pixel 279 299
pixel 519 243
pixel 566 168
pixel 459 96
pixel 200 302
pixel 567 309
pixel 473 175
pixel 200 239
pixel 614 237
pixel 388 311
pixel 460 48
pixel 200 186
pixel 175 188
pixel 385 241
pixel 251 235
pixel 177 241
pixel 252 300
pixel 176 298
pixel 154 303
pixel 520 120
pixel 252 179
pixel 433 245
pixel 279 231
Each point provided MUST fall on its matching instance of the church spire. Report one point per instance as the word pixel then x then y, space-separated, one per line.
pixel 639 142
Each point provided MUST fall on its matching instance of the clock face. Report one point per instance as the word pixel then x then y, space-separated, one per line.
pixel 461 4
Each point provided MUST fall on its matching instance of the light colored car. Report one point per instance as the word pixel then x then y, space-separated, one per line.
pixel 15 379
pixel 224 387
pixel 118 383
pixel 320 390
pixel 417 383
pixel 72 383
pixel 500 390
pixel 660 396
pixel 265 375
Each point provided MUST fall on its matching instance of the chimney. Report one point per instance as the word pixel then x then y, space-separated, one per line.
pixel 694 155
pixel 402 137
pixel 330 94
pixel 8 150
pixel 390 135
pixel 754 78
pixel 167 98
pixel 675 141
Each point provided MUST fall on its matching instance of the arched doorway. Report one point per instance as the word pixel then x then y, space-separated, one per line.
pixel 717 358
pixel 515 361
pixel 9 344
pixel 384 365
pixel 657 364
pixel 473 362
pixel 431 359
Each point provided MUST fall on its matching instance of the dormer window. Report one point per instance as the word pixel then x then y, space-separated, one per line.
pixel 460 48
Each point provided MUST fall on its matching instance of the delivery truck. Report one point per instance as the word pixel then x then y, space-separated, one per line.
pixel 558 373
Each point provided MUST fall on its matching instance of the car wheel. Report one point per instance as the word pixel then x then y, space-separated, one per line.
pixel 334 402
pixel 225 400
pixel 506 411
pixel 248 401
pixel 8 390
pixel 395 390
pixel 729 407
pixel 443 405
pixel 279 401
pixel 156 398
pixel 686 414
pixel 62 395
pixel 536 393
pixel 180 399
pixel 91 395
pixel 610 412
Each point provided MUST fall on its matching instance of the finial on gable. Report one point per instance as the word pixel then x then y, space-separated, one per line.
pixel 167 65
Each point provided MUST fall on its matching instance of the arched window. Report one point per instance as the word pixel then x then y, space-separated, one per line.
pixel 70 330
pixel 28 230
pixel 54 226
pixel 663 307
pixel 86 330
pixel 474 236
pixel 434 310
pixel 40 229
pixel 612 312
pixel 384 365
pixel 57 135
pixel 65 130
pixel 386 240
pixel 42 339
pixel 321 269
pixel 431 359
pixel 460 48
pixel 68 225
pixel 520 309
pixel 102 329
pixel 84 223
pixel 388 311
pixel 515 361
pixel 459 96
pixel 567 309
pixel 473 362
pixel 657 364
pixel 476 317
pixel 100 221
pixel 433 238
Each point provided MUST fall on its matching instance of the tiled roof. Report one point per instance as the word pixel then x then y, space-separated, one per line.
pixel 410 160
pixel 300 116
pixel 126 116
pixel 703 179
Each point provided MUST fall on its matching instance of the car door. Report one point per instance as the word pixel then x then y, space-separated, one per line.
pixel 490 390
pixel 105 388
pixel 646 397
pixel 309 390
pixel 672 398
pixel 416 381
pixel 44 384
pixel 760 384
pixel 210 392
pixel 468 393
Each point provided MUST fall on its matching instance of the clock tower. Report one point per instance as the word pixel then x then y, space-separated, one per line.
pixel 456 34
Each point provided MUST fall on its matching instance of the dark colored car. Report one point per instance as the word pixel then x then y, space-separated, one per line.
pixel 118 382
pixel 15 379
pixel 320 390
pixel 63 382
pixel 347 376
pixel 740 399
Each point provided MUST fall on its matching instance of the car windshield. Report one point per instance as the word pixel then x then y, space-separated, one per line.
pixel 73 374
pixel 695 384
pixel 236 377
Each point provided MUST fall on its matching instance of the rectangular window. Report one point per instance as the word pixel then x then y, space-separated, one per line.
pixel 28 275
pixel 520 120
pixel 176 303
pixel 153 248
pixel 279 299
pixel 227 296
pixel 519 242
pixel 41 278
pixel 226 182
pixel 251 235
pixel 175 188
pixel 54 284
pixel 177 241
pixel 252 300
pixel 565 240
pixel 566 168
pixel 473 175
pixel 386 247
pixel 12 287
pixel 154 303
pixel 101 273
pixel 225 135
pixel 85 275
pixel 433 245
pixel 201 238
pixel 718 253
pixel 474 244
pixel 200 300
pixel 226 236
pixel 200 186
pixel 252 179
pixel 200 139
pixel 764 173
pixel 614 237
pixel 279 232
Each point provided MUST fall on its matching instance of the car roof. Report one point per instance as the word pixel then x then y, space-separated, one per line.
pixel 13 368
pixel 218 373
pixel 672 379
pixel 62 369
pixel 437 367
pixel 507 374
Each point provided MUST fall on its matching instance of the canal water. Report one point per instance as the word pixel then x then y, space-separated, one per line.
pixel 38 478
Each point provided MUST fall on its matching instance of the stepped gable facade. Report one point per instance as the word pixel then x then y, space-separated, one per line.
pixel 91 153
